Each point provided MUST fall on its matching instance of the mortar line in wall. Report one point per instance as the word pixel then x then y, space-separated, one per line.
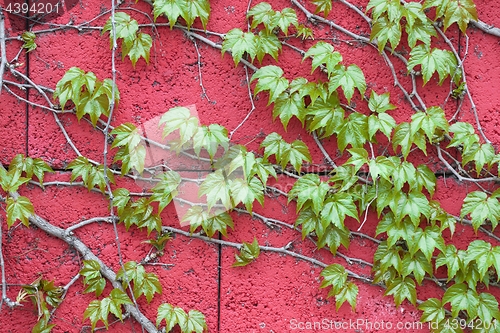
pixel 219 275
pixel 26 121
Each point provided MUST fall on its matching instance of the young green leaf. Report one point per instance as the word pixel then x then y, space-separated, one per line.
pixel 247 192
pixel 309 188
pixel 403 137
pixel 283 19
pixel 166 189
pixel 430 121
pixel 262 13
pixel 92 277
pixel 335 276
pixel 248 253
pixel 289 105
pixel 347 78
pixel 216 188
pixel 433 309
pixel 99 310
pixel 488 308
pixel 420 31
pixel 462 298
pixel 324 6
pixel 295 153
pixel 305 32
pixel 172 316
pixel 385 30
pixel 402 288
pixel 336 208
pixel 125 27
pixel 323 53
pixel 270 78
pixel 392 8
pixel 238 43
pixel 28 38
pixel 21 209
pixel 195 322
pixel 481 208
pixel 267 43
pixel 348 293
pixel 463 134
pixel 192 9
pixel 327 116
pixel 354 131
pixel 484 256
pixel 481 154
pixel 416 264
pixel 170 8
pixel 179 118
pixel 380 103
pixel 427 241
pixel 210 138
pixel 139 47
pixel 219 222
pixel 441 61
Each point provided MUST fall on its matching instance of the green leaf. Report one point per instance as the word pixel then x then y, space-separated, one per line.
pixel 349 293
pixel 461 12
pixel 323 53
pixel 28 38
pixel 441 61
pixel 420 31
pixel 179 118
pixel 219 222
pixel 195 322
pixel 309 187
pixel 166 189
pixel 170 8
pixel 192 9
pixel 283 19
pixel 216 188
pixel 405 138
pixel 304 32
pixel 248 253
pixel 335 276
pixel 484 256
pixel 380 103
pixel 488 308
pixel 433 310
pixel 19 209
pixel 427 241
pixel 287 106
pixel 11 180
pixel 462 298
pixel 262 13
pixel 417 265
pixel 210 138
pixel 267 43
pixel 332 237
pixel 429 122
pixel 388 257
pixel 91 272
pixel 99 310
pixel 32 166
pixel 172 316
pixel 384 30
pixel 354 131
pixel 285 153
pixel 463 135
pixel 359 157
pixel 337 207
pixel 382 166
pixel 425 178
pixel 270 78
pixel 347 78
pixel 327 116
pixel 195 215
pixel 324 6
pixel 317 91
pixel 148 286
pixel 380 122
pixel 71 84
pixel 238 43
pixel 481 154
pixel 481 208
pixel 139 47
pixel 402 288
pixel 247 192
pixel 413 204
pixel 125 28
pixel 392 8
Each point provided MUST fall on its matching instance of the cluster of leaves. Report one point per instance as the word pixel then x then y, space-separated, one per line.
pixel 135 44
pixel 193 321
pixel 43 293
pixel 265 41
pixel 189 10
pixel 89 95
pixel 20 207
pixel 248 253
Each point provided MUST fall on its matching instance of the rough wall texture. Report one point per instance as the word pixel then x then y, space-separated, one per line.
pixel 274 294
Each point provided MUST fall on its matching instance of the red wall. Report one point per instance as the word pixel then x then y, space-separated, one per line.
pixel 273 293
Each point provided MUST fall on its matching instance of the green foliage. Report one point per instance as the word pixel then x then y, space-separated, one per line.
pixel 284 152
pixel 21 209
pixel 248 253
pixel 131 152
pixel 29 41
pixel 89 95
pixel 459 11
pixel 441 61
pixel 144 283
pixel 99 310
pixel 90 174
pixel 191 322
pixel 335 276
pixel 189 10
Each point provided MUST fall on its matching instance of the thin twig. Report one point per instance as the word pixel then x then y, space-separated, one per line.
pixel 323 151
pixel 203 90
pixel 3 52
pixel 251 102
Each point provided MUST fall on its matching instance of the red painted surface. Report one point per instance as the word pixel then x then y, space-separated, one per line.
pixel 274 294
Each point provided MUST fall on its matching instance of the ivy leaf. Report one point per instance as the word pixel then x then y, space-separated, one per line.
pixel 481 208
pixel 354 131
pixel 32 166
pixel 304 32
pixel 239 42
pixel 441 61
pixel 21 209
pixel 333 237
pixel 323 53
pixel 295 153
pixel 71 84
pixel 11 180
pixel 404 230
pixel 416 264
pixel 247 192
pixel 248 253
pixel 192 9
pixel 216 187
pixel 148 286
pixel 336 208
pixel 219 222
pixel 267 43
pixel 488 308
pixel 308 221
pixel 381 122
pixel 262 13
pixel 484 256
pixel 132 154
pixel 402 288
pixel 420 31
pixel 170 8
pixel 347 78
pixel 425 178
pixel 359 157
pixel 384 30
pixel 195 322
pixel 270 78
pixel 99 310
pixel 172 316
pixel 392 8
pixel 463 134
pixel 273 145
pixel 92 277
pixel 462 298
pixel 429 122
pixel 166 189
pixel 324 6
pixel 91 175
pixel 335 276
pixel 380 103
pixel 413 204
pixel 349 293
pixel 461 12
pixel 139 47
pixel 309 187
pixel 427 241
pixel 210 137
pixel 283 19
pixel 317 91
pixel 388 257
pixel 382 166
pixel 433 310
pixel 346 175
pixel 28 38
pixel 327 116
pixel 289 105
pixel 481 154
pixel 125 27
pixel 179 118
pixel 195 215
pixel 403 137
